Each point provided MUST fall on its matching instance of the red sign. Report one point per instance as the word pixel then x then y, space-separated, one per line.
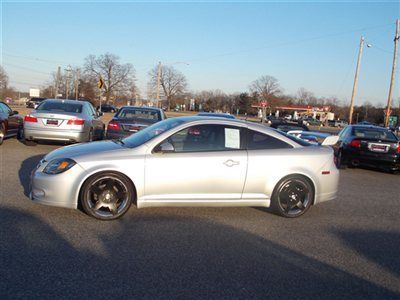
pixel 264 104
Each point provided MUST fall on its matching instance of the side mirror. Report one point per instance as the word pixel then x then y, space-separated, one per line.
pixel 165 147
pixel 14 112
pixel 99 113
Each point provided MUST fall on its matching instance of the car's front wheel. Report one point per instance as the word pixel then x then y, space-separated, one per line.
pixel 292 196
pixel 107 196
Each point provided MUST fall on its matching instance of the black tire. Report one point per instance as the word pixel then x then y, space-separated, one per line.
pixel 30 143
pixel 292 196
pixel 2 133
pixel 340 161
pixel 20 133
pixel 107 196
pixel 90 137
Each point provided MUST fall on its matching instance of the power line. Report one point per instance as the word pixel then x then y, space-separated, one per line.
pixel 291 42
pixel 24 68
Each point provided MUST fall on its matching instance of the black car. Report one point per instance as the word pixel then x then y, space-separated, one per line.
pixel 131 119
pixel 287 126
pixel 34 102
pixel 11 123
pixel 107 108
pixel 371 146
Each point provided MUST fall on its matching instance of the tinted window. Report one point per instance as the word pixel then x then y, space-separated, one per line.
pixel 137 113
pixel 258 141
pixel 374 133
pixel 294 139
pixel 202 138
pixel 147 134
pixel 60 107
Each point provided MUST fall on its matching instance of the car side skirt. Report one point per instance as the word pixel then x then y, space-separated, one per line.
pixel 203 203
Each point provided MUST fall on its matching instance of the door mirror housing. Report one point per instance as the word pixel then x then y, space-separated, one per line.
pixel 14 112
pixel 99 113
pixel 164 147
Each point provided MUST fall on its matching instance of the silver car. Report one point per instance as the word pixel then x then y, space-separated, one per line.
pixel 189 161
pixel 63 120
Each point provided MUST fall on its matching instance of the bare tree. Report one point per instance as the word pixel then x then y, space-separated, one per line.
pixel 266 87
pixel 305 97
pixel 3 82
pixel 117 76
pixel 173 82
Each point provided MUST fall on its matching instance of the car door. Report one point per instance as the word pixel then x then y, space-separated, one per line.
pixel 12 120
pixel 208 162
pixel 96 121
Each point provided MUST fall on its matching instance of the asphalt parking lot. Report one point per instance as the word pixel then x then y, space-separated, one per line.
pixel 347 248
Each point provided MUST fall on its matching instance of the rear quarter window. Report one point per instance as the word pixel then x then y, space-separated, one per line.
pixel 260 141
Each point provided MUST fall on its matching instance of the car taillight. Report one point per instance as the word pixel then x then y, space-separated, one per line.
pixel 30 118
pixel 398 148
pixel 76 122
pixel 355 144
pixel 113 126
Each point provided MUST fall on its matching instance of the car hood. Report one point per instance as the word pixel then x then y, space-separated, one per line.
pixel 78 150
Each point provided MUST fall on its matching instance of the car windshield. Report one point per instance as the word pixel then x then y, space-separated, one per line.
pixel 60 106
pixel 147 134
pixel 138 113
pixel 374 133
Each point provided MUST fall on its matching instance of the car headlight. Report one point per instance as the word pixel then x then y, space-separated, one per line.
pixel 59 165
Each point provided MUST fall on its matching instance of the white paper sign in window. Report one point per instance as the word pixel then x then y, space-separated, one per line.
pixel 232 138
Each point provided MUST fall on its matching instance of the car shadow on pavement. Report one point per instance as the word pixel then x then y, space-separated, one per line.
pixel 24 172
pixel 158 256
pixel 381 247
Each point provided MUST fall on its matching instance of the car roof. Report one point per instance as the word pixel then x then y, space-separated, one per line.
pixel 141 107
pixel 358 126
pixel 66 101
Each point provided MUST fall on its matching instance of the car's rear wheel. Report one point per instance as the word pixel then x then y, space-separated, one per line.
pixel 292 196
pixel 90 137
pixel 2 133
pixel 20 134
pixel 107 196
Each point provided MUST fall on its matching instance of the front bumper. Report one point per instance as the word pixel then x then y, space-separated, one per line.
pixel 56 135
pixel 60 190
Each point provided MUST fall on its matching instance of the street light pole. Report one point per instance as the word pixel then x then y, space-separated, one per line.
pixel 353 95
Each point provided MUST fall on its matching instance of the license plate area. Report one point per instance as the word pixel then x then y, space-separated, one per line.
pixel 380 148
pixel 52 122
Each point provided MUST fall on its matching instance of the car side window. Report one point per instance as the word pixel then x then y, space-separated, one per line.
pixel 260 141
pixel 201 138
pixel 92 111
pixel 4 108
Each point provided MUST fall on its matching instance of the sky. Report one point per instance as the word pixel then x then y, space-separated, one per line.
pixel 224 45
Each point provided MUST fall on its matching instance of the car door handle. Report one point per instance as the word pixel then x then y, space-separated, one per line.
pixel 231 163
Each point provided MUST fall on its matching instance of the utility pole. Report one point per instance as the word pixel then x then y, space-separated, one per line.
pixel 68 70
pixel 353 95
pixel 57 82
pixel 389 102
pixel 158 83
pixel 77 77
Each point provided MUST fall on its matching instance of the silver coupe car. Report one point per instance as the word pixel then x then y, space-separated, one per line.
pixel 189 161
pixel 63 120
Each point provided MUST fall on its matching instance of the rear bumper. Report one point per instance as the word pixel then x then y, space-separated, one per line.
pixel 56 135
pixel 378 160
pixel 117 134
